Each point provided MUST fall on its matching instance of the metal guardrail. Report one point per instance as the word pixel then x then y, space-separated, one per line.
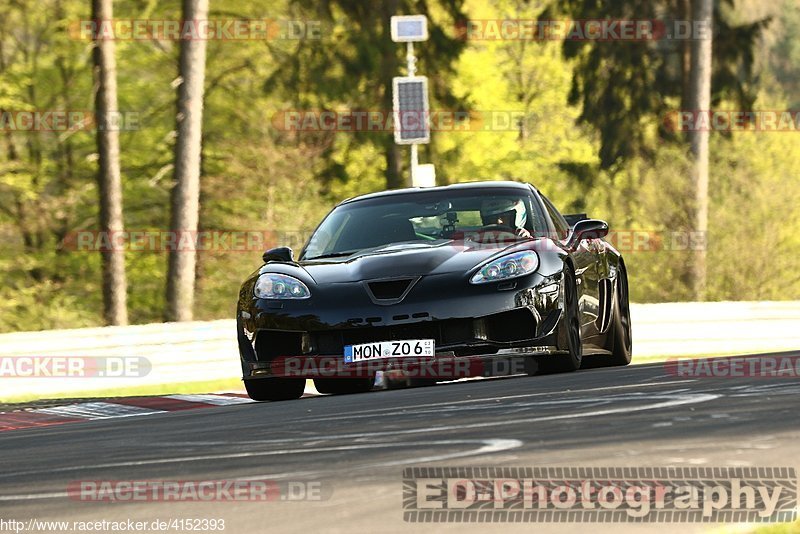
pixel 205 351
pixel 714 328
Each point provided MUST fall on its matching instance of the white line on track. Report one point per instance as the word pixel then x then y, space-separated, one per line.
pixel 216 400
pixel 675 398
pixel 488 446
pixel 34 496
pixel 98 410
pixel 520 396
pixel 491 404
pixel 680 400
pixel 491 446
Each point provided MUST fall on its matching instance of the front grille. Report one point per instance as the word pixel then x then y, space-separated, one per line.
pixel 505 327
pixel 390 289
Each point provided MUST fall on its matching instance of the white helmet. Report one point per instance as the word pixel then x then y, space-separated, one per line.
pixel 506 211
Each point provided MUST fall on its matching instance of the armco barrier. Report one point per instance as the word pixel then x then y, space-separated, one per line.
pixel 204 351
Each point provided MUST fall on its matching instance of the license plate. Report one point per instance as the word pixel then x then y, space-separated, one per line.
pixel 389 349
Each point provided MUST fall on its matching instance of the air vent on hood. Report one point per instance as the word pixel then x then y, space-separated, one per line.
pixel 390 291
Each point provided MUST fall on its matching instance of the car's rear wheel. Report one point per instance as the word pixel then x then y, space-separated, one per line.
pixel 572 360
pixel 275 389
pixel 343 386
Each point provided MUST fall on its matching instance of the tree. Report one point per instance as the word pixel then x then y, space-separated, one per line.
pixel 109 179
pixel 623 88
pixel 186 189
pixel 628 92
pixel 352 66
pixel 700 100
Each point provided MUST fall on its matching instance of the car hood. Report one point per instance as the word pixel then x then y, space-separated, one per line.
pixel 404 260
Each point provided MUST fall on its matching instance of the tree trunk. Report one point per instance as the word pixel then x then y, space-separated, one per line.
pixel 109 181
pixel 389 69
pixel 685 13
pixel 394 176
pixel 700 93
pixel 186 190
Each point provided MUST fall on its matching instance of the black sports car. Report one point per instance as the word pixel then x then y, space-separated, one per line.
pixel 443 282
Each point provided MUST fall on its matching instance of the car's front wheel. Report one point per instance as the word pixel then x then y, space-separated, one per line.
pixel 343 386
pixel 275 389
pixel 570 361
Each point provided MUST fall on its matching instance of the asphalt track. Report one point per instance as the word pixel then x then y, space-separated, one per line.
pixel 356 446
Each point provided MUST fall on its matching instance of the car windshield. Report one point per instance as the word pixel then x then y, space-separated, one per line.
pixel 423 219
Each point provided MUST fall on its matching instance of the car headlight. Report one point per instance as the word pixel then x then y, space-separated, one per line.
pixel 511 266
pixel 280 286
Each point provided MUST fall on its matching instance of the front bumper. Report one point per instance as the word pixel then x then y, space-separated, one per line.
pixel 494 327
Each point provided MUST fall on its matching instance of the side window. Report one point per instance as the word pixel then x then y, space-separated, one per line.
pixel 562 228
pixel 535 223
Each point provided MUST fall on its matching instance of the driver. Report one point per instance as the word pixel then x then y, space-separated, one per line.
pixel 506 212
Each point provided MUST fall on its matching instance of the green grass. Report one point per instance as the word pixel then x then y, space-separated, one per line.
pixel 780 528
pixel 775 528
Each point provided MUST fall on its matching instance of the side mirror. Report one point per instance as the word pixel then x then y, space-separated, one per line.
pixel 282 254
pixel 587 229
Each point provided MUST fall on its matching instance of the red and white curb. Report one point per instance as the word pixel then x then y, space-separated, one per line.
pixel 117 408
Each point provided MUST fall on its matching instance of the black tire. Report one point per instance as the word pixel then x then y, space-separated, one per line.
pixel 343 386
pixel 409 382
pixel 620 340
pixel 572 360
pixel 421 382
pixel 275 389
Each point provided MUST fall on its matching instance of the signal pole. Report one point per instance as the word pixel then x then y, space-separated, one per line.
pixel 411 63
pixel 410 99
